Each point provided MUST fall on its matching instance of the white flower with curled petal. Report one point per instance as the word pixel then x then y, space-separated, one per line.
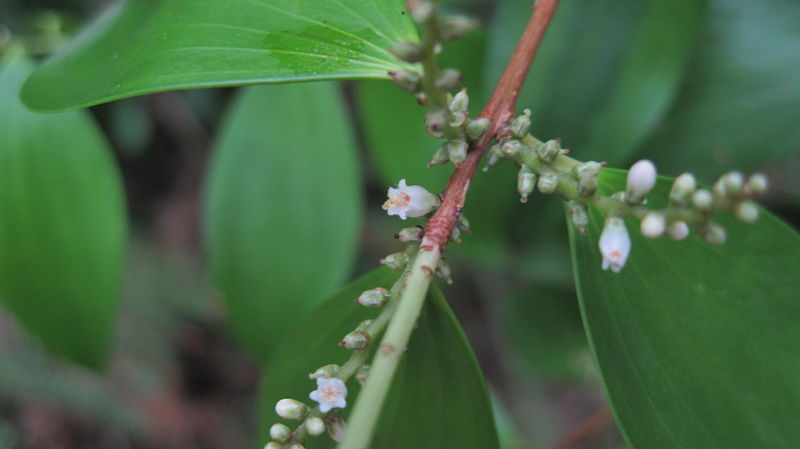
pixel 409 201
pixel 330 394
pixel 615 244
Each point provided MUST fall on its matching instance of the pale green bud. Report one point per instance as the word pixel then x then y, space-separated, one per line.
pixel 448 79
pixel 548 183
pixel 526 182
pixel 495 156
pixel 579 215
pixel 443 271
pixel 290 409
pixel 364 325
pixel 273 445
pixel 440 156
pixel 521 124
pixel 355 340
pixel 407 51
pixel 460 101
pixel 325 372
pixel 549 151
pixel 362 374
pixel 457 151
pixel 373 298
pixel 511 148
pixel 463 223
pixel 746 211
pixel 455 27
pixel 734 182
pixel 757 184
pixel 714 233
pixel 407 80
pixel 587 185
pixel 682 189
pixel 477 128
pixel 315 426
pixel 703 200
pixel 677 230
pixel 455 235
pixel 396 261
pixel 435 122
pixel 412 234
pixel 423 11
pixel 296 446
pixel 458 119
pixel 280 432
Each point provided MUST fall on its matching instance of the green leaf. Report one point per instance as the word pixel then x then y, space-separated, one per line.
pixel 606 71
pixel 695 342
pixel 144 46
pixel 740 104
pixel 438 398
pixel 62 224
pixel 283 207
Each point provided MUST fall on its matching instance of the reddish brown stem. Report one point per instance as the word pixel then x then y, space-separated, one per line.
pixel 499 110
pixel 594 424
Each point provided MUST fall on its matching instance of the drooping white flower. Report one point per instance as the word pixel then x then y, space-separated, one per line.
pixel 409 201
pixel 615 244
pixel 330 394
pixel 641 179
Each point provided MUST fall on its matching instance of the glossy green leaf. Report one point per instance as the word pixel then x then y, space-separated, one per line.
pixel 740 105
pixel 606 71
pixel 142 46
pixel 695 342
pixel 62 224
pixel 283 207
pixel 438 398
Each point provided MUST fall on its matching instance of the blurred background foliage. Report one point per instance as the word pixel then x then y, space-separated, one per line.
pixel 706 86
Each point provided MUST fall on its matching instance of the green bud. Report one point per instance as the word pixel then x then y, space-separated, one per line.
pixel 495 155
pixel 448 79
pixel 757 184
pixel 324 372
pixel 526 182
pixel 396 261
pixel 548 183
pixel 273 445
pixel 714 233
pixel 290 409
pixel 455 235
pixel 521 124
pixel 435 122
pixel 280 432
pixel 463 223
pixel 412 234
pixel 549 151
pixel 315 425
pixel 407 80
pixel 458 119
pixel 511 148
pixel 746 211
pixel 457 151
pixel 443 271
pixel 355 340
pixel 460 101
pixel 477 128
pixel 588 168
pixel 423 11
pixel 455 27
pixel 407 51
pixel 375 297
pixel 682 189
pixel 440 156
pixel 587 178
pixel 579 215
pixel 364 325
pixel 703 200
pixel 362 374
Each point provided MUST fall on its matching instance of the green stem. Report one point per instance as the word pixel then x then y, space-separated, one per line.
pixel 370 401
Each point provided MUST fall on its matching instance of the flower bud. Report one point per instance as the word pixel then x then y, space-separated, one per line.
pixel 714 233
pixel 511 148
pixel 324 372
pixel 733 183
pixel 296 446
pixel 579 215
pixel 682 189
pixel 443 271
pixel 406 79
pixel 477 128
pixel 435 122
pixel 460 101
pixel 407 51
pixel 587 185
pixel 455 235
pixel 615 244
pixel 677 230
pixel 373 298
pixel 455 27
pixel 458 119
pixel 526 182
pixel 336 427
pixel 315 425
pixel 495 156
pixel 653 225
pixel 355 340
pixel 641 179
pixel 362 374
pixel 549 151
pixel 548 183
pixel 521 124
pixel 746 211
pixel 273 445
pixel 423 11
pixel 364 326
pixel 448 79
pixel 757 184
pixel 457 151
pixel 412 234
pixel 290 409
pixel 463 224
pixel 280 432
pixel 440 156
pixel 703 200
pixel 396 261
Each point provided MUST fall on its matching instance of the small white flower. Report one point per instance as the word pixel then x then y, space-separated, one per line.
pixel 409 201
pixel 641 179
pixel 615 244
pixel 330 394
pixel 653 224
